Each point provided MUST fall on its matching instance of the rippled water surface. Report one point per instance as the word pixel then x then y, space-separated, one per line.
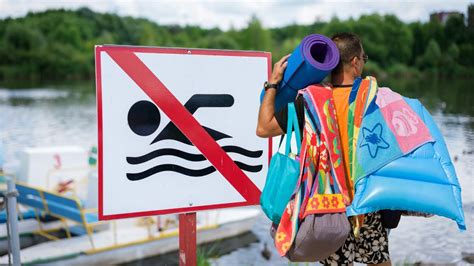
pixel 66 115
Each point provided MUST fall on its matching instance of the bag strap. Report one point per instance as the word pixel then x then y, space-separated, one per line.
pixel 292 125
pixel 296 128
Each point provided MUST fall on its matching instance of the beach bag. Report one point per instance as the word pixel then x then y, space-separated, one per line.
pixel 314 224
pixel 283 173
pixel 324 226
pixel 318 237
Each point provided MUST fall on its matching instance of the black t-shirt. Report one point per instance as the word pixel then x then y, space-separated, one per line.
pixel 282 115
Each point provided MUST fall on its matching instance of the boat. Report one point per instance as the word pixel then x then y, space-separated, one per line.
pixel 132 242
pixel 63 194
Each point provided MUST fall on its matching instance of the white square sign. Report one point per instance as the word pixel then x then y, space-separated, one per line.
pixel 177 129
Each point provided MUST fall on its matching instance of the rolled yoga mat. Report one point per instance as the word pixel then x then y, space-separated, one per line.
pixel 314 58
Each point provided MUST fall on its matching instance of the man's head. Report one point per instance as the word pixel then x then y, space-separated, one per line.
pixel 352 55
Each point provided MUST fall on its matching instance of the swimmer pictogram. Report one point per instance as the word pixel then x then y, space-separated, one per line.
pixel 144 119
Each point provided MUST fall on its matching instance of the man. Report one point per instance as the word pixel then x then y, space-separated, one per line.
pixel 371 247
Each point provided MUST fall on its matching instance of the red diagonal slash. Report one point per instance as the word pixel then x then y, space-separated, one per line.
pixel 188 125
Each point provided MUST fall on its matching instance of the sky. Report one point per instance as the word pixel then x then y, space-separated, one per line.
pixel 236 13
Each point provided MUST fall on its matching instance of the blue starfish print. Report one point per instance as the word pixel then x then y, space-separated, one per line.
pixel 373 139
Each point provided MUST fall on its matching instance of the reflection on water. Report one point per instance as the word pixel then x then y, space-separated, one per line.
pixel 66 115
pixel 47 115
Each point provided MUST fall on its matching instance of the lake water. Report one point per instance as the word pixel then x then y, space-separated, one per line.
pixel 66 115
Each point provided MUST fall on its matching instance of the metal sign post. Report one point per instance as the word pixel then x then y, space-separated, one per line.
pixel 14 240
pixel 187 239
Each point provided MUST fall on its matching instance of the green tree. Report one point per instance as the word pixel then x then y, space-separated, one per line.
pixel 285 48
pixel 398 40
pixel 470 16
pixel 21 37
pixel 455 29
pixel 255 37
pixel 448 62
pixel 222 41
pixel 467 52
pixel 58 44
pixel 435 31
pixel 336 26
pixel 373 39
pixel 420 39
pixel 431 57
pixel 66 34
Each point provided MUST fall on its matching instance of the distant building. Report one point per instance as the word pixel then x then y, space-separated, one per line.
pixel 443 16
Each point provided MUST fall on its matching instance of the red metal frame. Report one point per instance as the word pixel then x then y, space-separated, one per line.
pixel 100 49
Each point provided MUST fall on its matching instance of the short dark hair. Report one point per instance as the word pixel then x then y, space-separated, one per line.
pixel 349 46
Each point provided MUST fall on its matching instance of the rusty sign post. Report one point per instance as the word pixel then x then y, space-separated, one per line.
pixel 187 239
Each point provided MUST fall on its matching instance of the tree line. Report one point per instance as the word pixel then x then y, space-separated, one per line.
pixel 59 44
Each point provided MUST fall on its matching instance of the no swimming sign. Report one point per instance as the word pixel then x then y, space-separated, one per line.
pixel 177 129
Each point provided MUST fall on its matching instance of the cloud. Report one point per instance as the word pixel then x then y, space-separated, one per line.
pixel 237 13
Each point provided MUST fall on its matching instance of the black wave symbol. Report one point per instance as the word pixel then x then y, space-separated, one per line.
pixel 189 156
pixel 186 171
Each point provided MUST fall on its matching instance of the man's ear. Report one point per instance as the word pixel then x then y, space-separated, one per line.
pixel 354 61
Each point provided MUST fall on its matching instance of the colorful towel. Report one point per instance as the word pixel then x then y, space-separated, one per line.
pixel 322 184
pixel 382 128
pixel 424 180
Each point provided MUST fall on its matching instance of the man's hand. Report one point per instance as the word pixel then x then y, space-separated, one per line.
pixel 267 124
pixel 278 70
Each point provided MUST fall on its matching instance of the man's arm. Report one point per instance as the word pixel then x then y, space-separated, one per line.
pixel 267 124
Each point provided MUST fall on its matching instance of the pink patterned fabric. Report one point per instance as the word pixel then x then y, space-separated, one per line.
pixel 404 123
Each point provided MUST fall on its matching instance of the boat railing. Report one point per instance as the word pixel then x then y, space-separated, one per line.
pixel 59 206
